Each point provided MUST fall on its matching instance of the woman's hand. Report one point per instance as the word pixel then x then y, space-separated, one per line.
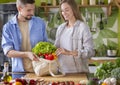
pixel 31 56
pixel 74 53
pixel 66 52
pixel 60 51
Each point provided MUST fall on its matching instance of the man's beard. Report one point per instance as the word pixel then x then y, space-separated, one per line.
pixel 27 18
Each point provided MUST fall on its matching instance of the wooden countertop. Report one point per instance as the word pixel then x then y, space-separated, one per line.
pixel 76 77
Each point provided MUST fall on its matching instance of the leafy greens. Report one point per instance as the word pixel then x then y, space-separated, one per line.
pixel 44 47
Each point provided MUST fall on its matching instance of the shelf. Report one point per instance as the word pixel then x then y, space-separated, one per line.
pixel 102 59
pixel 108 6
pixel 94 5
pixel 47 6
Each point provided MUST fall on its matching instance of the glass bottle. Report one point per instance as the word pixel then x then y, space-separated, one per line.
pixel 49 2
pixel 84 2
pixel 92 2
pixel 110 1
pixel 54 2
pixel 101 22
pixel 6 77
pixel 43 3
pixel 100 2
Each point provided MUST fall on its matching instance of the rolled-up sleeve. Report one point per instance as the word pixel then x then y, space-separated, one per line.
pixel 85 43
pixel 6 40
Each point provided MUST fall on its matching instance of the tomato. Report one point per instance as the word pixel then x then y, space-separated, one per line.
pixel 71 83
pixel 32 82
pixel 24 82
pixel 46 56
pixel 78 84
pixel 49 56
pixel 53 83
pixel 18 80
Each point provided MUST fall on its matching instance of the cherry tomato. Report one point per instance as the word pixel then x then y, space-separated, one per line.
pixel 49 57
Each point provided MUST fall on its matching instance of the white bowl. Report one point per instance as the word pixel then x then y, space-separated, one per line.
pixel 111 53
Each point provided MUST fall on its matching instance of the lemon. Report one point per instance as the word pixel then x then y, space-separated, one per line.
pixel 7 78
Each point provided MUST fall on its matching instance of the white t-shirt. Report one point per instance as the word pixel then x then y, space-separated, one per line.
pixel 66 39
pixel 67 62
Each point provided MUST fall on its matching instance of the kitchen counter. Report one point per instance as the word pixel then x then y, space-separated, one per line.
pixel 101 59
pixel 76 77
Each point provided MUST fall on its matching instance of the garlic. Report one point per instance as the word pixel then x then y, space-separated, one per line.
pixel 107 81
pixel 83 82
pixel 113 81
pixel 110 81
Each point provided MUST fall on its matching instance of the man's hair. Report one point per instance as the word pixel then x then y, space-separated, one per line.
pixel 24 2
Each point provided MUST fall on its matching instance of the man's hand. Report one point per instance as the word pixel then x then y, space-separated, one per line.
pixel 31 56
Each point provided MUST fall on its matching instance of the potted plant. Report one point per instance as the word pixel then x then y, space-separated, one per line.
pixel 111 51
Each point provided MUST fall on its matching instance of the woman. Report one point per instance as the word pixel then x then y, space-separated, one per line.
pixel 73 40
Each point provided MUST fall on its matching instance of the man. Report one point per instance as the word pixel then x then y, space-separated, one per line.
pixel 21 34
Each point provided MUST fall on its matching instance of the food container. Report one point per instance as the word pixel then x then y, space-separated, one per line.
pixel 111 53
pixel 84 2
pixel 110 1
pixel 92 2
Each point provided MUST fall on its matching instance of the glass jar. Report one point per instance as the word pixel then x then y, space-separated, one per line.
pixel 92 2
pixel 100 2
pixel 49 2
pixel 109 1
pixel 54 2
pixel 84 2
pixel 43 3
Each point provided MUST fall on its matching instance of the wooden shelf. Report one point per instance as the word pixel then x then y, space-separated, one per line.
pixel 95 5
pixel 47 6
pixel 108 6
pixel 102 59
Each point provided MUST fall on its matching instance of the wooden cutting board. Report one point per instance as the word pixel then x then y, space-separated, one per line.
pixel 68 77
